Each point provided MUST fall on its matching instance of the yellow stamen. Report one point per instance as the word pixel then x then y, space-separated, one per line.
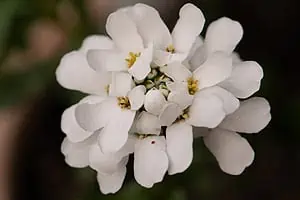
pixel 123 102
pixel 107 89
pixel 192 85
pixel 132 58
pixel 170 49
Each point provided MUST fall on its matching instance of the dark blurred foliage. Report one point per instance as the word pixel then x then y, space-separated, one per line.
pixel 271 38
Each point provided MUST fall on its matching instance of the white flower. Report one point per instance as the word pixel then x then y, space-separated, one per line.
pixel 80 149
pixel 115 114
pixel 74 72
pixel 130 53
pixel 223 35
pixel 232 151
pixel 150 156
pixel 168 47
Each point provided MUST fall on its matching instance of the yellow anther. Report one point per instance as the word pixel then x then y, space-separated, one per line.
pixel 170 49
pixel 107 89
pixel 192 85
pixel 132 58
pixel 123 102
pixel 185 115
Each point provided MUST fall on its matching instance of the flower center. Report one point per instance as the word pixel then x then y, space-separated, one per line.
pixel 170 49
pixel 192 85
pixel 123 102
pixel 107 89
pixel 132 58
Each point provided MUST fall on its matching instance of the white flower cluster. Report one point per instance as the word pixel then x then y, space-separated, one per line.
pixel 149 88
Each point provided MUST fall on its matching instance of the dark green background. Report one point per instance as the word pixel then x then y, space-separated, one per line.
pixel 271 38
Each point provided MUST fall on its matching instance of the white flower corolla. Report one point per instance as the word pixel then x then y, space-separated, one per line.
pixel 130 54
pixel 115 114
pixel 168 47
pixel 223 35
pixel 231 150
pixel 74 72
pixel 150 156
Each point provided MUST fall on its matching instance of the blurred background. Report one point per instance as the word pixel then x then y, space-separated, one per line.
pixel 34 34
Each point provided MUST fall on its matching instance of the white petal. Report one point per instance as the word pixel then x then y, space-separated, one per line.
pixel 169 114
pixel 180 96
pixel 252 116
pixel 124 32
pixel 77 154
pixel 206 111
pixel 71 128
pixel 110 184
pixel 232 151
pixel 230 102
pixel 151 27
pixel 223 35
pixel 92 117
pixel 216 69
pixel 196 45
pixel 147 123
pixel 199 57
pixel 121 85
pixel 154 102
pixel 188 27
pixel 96 42
pixel 236 59
pixel 74 73
pixel 179 138
pixel 244 80
pixel 107 60
pixel 136 97
pixel 177 72
pixel 150 161
pixel 141 67
pixel 162 57
pixel 104 163
pixel 115 134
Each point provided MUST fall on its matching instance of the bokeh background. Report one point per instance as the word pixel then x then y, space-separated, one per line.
pixel 34 34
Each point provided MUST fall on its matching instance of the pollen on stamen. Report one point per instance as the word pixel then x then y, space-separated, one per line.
pixel 123 102
pixel 192 85
pixel 170 49
pixel 132 58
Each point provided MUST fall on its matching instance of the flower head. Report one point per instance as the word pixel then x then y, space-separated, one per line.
pixel 150 88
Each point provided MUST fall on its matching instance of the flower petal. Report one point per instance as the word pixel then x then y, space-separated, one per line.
pixel 107 60
pixel 179 139
pixel 147 123
pixel 121 85
pixel 71 128
pixel 115 134
pixel 104 163
pixel 74 73
pixel 141 67
pixel 176 71
pixel 206 111
pixel 111 183
pixel 77 154
pixel 216 69
pixel 96 42
pixel 232 151
pixel 252 116
pixel 180 95
pixel 92 117
pixel 223 35
pixel 150 161
pixel 154 101
pixel 230 102
pixel 169 114
pixel 136 97
pixel 188 27
pixel 244 80
pixel 123 32
pixel 150 26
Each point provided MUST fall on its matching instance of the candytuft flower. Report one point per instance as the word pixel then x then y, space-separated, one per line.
pixel 149 89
